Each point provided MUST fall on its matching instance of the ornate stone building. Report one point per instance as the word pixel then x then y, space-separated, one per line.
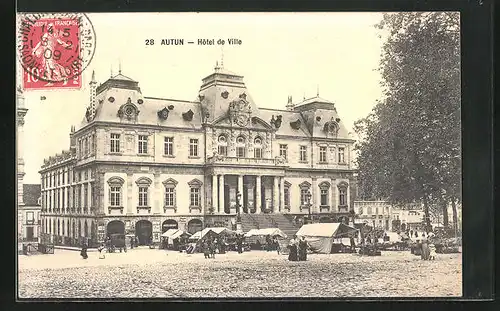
pixel 21 112
pixel 140 165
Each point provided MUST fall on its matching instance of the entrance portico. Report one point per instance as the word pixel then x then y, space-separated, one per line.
pixel 261 191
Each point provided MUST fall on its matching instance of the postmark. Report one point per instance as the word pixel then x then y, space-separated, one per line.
pixel 54 49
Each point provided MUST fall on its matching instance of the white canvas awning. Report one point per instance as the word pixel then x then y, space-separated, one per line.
pixel 174 233
pixel 217 230
pixel 265 232
pixel 321 236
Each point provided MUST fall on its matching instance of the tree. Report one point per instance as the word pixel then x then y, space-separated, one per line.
pixel 409 148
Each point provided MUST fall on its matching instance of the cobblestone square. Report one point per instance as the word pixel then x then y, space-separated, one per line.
pixel 153 273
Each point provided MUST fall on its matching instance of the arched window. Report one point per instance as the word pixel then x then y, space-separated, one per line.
pixel 343 194
pixel 240 147
pixel 324 189
pixel 170 197
pixel 115 193
pixel 305 190
pixel 222 145
pixel 195 194
pixel 143 184
pixel 257 151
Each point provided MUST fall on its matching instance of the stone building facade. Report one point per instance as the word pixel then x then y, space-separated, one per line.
pixel 141 165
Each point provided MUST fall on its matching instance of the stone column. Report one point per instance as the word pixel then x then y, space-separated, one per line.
pixel 131 206
pixel 240 190
pixel 221 193
pixel 215 203
pixel 314 192
pixel 282 194
pixel 348 197
pixel 333 193
pixel 276 197
pixel 258 200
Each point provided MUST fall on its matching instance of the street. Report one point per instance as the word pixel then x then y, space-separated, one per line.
pixel 153 273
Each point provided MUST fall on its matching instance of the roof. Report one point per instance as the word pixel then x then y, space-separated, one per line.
pixel 202 233
pixel 122 77
pixel 265 232
pixel 316 99
pixel 31 194
pixel 287 117
pixel 174 233
pixel 324 230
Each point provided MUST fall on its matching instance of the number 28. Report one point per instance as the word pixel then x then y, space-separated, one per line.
pixel 150 41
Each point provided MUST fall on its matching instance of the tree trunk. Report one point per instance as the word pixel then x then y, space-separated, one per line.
pixel 455 216
pixel 444 203
pixel 426 214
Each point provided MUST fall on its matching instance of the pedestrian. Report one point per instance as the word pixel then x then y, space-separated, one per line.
pixel 353 244
pixel 292 255
pixel 206 249
pixel 100 249
pixel 239 244
pixel 83 252
pixel 276 244
pixel 416 234
pixel 268 243
pixel 411 233
pixel 222 246
pixel 212 246
pixel 303 249
pixel 425 250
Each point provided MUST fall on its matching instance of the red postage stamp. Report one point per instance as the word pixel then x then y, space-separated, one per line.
pixel 54 50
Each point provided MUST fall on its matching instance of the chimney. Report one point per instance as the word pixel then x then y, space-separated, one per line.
pixel 93 89
pixel 72 140
pixel 290 106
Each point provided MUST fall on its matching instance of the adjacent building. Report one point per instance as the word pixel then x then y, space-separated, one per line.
pixel 30 212
pixel 377 214
pixel 141 165
pixel 21 113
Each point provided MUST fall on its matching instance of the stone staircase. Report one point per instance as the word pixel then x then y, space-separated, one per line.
pixel 262 221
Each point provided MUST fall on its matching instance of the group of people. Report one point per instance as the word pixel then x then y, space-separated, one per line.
pixel 210 245
pixel 298 249
pixel 272 244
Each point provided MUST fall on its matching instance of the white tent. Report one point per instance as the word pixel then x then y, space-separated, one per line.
pixel 217 230
pixel 174 233
pixel 265 232
pixel 320 236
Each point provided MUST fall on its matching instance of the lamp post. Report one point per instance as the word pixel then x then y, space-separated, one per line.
pixel 238 215
pixel 308 200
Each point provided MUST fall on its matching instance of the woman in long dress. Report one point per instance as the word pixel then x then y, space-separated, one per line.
pixel 302 249
pixel 426 251
pixel 292 255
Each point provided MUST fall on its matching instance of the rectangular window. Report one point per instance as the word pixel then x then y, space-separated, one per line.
pixel 284 151
pixel 324 197
pixel 322 154
pixel 115 196
pixel 169 146
pixel 240 152
pixel 193 147
pixel 303 153
pixel 258 153
pixel 85 196
pixel 195 197
pixel 287 197
pixel 143 196
pixel 63 198
pixel 303 197
pixel 169 197
pixel 342 197
pixel 115 142
pixel 222 150
pixel 143 144
pixel 30 218
pixel 341 155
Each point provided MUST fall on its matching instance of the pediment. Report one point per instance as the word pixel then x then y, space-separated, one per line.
pixel 255 123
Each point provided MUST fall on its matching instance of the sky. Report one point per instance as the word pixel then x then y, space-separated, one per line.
pixel 281 55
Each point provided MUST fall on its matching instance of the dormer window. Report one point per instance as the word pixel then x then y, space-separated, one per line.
pixel 240 147
pixel 222 145
pixel 257 148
